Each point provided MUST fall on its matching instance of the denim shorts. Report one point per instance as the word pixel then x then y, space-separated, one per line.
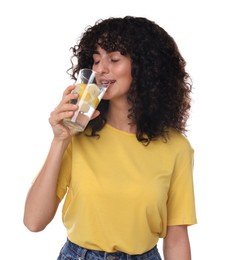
pixel 71 251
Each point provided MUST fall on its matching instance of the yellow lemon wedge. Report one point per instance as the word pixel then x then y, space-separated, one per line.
pixel 84 107
pixel 80 88
pixel 94 90
pixel 94 102
pixel 87 97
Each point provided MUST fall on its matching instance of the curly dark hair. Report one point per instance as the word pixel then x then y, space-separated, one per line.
pixel 160 91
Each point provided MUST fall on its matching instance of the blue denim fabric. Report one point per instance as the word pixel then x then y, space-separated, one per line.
pixel 71 251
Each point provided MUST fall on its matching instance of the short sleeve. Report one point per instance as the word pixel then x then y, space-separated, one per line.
pixel 181 199
pixel 65 173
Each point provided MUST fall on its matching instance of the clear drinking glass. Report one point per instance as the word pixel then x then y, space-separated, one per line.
pixel 90 94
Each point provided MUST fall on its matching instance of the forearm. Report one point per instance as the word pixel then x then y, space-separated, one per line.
pixel 176 245
pixel 42 202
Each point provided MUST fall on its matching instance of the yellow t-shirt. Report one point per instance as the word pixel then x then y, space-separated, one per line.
pixel 121 195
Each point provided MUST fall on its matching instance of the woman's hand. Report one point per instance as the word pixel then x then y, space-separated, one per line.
pixel 64 110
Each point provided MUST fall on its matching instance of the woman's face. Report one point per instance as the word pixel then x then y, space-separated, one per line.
pixel 115 72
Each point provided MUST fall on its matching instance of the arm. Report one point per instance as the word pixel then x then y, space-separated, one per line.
pixel 176 244
pixel 42 202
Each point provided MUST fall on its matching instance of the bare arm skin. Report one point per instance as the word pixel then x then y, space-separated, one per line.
pixel 42 202
pixel 176 245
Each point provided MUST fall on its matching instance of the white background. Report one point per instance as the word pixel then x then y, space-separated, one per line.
pixel 35 37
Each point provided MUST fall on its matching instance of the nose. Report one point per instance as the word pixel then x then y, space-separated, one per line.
pixel 102 67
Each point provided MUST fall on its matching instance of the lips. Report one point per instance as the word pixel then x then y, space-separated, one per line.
pixel 107 83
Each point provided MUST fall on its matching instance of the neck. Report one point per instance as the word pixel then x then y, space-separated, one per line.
pixel 117 117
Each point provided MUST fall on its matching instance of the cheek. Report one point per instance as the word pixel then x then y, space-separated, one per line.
pixel 127 78
pixel 125 73
pixel 127 83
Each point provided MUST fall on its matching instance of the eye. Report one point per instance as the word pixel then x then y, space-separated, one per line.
pixel 95 62
pixel 114 60
pixel 96 58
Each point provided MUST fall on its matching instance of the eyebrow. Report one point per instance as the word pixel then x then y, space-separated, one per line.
pixel 96 52
pixel 108 52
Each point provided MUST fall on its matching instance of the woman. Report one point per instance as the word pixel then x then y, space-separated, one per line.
pixel 128 177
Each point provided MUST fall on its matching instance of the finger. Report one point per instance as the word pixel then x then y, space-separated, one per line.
pixel 68 90
pixel 61 113
pixel 67 100
pixel 95 114
pixel 56 119
pixel 70 98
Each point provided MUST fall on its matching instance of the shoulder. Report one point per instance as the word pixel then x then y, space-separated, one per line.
pixel 179 142
pixel 176 137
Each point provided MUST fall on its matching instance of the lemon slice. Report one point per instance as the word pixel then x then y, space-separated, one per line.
pixel 94 90
pixel 94 102
pixel 80 89
pixel 84 107
pixel 87 97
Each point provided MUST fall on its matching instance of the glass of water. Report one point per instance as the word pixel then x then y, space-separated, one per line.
pixel 90 94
